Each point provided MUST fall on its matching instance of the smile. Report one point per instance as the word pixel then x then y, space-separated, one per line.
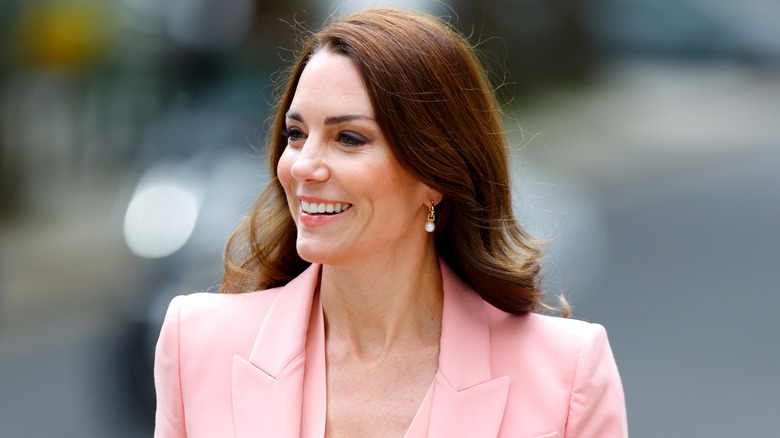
pixel 324 208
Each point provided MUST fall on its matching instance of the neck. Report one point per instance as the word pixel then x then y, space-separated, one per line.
pixel 380 305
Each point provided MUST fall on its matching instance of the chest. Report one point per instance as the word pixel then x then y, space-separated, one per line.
pixel 379 400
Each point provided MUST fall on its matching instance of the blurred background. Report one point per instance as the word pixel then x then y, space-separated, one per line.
pixel 646 149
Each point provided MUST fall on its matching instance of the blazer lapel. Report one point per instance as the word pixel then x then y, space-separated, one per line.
pixel 268 386
pixel 467 401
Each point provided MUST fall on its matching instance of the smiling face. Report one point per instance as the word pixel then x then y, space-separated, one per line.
pixel 348 195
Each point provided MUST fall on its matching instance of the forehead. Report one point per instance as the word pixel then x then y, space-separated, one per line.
pixel 331 83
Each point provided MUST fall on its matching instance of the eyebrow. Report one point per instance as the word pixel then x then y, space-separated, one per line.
pixel 332 120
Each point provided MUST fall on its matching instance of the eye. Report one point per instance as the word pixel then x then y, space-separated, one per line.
pixel 293 134
pixel 351 140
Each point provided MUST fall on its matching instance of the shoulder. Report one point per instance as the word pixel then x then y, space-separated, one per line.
pixel 562 375
pixel 570 332
pixel 561 367
pixel 217 306
pixel 215 319
pixel 547 341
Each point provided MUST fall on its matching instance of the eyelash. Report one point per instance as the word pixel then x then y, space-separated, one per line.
pixel 350 140
pixel 346 139
pixel 292 134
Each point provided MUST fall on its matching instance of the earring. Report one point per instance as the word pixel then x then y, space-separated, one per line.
pixel 430 225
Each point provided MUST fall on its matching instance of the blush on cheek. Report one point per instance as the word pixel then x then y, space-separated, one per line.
pixel 283 169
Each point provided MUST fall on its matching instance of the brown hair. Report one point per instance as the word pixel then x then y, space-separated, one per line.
pixel 439 116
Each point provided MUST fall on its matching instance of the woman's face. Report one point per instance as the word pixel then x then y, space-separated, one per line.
pixel 348 195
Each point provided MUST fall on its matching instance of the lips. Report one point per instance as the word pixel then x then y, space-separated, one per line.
pixel 324 208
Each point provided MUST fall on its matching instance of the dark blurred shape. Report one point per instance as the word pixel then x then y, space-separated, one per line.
pixel 530 44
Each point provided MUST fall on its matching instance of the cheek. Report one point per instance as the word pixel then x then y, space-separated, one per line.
pixel 395 189
pixel 286 179
pixel 406 187
pixel 283 170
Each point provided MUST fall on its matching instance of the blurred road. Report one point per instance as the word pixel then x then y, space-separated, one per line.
pixel 62 279
pixel 660 183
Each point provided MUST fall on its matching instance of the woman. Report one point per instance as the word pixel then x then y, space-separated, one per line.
pixel 396 290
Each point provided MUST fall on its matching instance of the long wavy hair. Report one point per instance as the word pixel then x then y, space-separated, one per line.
pixel 433 104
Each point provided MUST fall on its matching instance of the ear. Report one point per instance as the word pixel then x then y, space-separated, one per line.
pixel 432 195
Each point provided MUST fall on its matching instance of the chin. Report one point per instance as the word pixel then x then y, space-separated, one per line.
pixel 315 255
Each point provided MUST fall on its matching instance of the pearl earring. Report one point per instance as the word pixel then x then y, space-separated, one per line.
pixel 430 225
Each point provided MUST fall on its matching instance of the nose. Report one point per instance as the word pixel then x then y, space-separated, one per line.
pixel 310 164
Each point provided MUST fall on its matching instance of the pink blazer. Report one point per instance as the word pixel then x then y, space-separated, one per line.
pixel 233 365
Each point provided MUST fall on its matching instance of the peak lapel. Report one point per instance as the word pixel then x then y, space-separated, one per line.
pixel 268 386
pixel 467 401
pixel 473 412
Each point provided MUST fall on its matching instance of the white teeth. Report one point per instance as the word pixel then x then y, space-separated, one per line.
pixel 308 208
pixel 314 208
